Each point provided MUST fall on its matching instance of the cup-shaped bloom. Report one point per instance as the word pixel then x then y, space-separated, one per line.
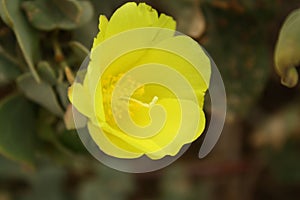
pixel 143 92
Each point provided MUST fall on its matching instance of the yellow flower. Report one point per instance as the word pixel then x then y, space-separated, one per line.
pixel 144 90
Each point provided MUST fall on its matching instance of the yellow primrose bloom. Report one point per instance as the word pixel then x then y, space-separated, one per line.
pixel 144 90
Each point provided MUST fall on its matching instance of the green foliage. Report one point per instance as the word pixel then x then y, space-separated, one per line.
pixel 79 50
pixel 70 139
pixel 47 73
pixel 61 89
pixel 45 85
pixel 41 93
pixel 27 37
pixel 58 14
pixel 9 70
pixel 17 129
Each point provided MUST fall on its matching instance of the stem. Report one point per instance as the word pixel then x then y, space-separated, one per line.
pixel 69 74
pixel 60 59
pixel 58 53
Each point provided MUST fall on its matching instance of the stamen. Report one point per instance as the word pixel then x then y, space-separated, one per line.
pixel 147 105
pixel 135 100
pixel 154 100
pixel 109 84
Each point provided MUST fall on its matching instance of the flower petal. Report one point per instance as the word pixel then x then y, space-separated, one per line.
pixel 192 52
pixel 172 138
pixel 103 22
pixel 109 147
pixel 179 53
pixel 165 21
pixel 81 99
pixel 178 130
pixel 131 16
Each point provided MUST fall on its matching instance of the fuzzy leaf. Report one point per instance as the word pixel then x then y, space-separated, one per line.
pixel 42 93
pixel 80 51
pixel 62 90
pixel 46 72
pixel 27 37
pixel 53 14
pixel 71 140
pixel 17 129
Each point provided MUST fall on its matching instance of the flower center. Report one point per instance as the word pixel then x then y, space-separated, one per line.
pixel 125 98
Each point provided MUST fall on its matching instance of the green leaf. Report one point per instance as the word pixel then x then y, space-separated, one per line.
pixel 45 126
pixel 26 36
pixel 287 52
pixel 17 129
pixel 80 51
pixel 65 142
pixel 71 140
pixel 9 71
pixel 62 91
pixel 42 93
pixel 53 14
pixel 46 72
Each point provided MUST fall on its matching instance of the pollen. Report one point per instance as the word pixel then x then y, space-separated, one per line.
pixel 121 105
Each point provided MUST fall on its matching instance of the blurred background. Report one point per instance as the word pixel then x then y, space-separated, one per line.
pixel 42 44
